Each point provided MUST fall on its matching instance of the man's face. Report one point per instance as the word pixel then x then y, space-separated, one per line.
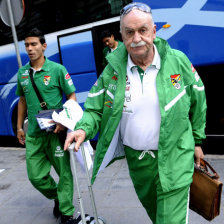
pixel 109 41
pixel 34 48
pixel 138 33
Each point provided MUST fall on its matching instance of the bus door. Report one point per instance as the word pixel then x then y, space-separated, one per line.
pixel 77 55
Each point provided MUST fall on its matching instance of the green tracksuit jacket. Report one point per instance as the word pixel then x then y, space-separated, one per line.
pixel 182 106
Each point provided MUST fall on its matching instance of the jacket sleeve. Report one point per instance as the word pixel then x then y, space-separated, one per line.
pixel 92 115
pixel 198 108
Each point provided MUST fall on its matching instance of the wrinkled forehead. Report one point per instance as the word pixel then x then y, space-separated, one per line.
pixel 136 17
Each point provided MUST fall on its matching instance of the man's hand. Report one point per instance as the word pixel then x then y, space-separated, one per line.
pixel 198 154
pixel 78 136
pixel 59 128
pixel 21 136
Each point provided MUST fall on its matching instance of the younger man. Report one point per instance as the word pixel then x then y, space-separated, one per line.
pixel 44 149
pixel 111 44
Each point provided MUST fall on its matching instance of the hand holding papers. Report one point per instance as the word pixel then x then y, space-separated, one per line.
pixel 68 117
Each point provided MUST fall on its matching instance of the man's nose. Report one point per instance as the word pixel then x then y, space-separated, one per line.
pixel 29 48
pixel 136 37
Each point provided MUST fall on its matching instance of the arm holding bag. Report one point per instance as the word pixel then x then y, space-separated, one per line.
pixel 205 191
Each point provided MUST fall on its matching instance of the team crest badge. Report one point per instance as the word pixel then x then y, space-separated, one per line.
pixel 176 79
pixel 46 80
pixel 108 104
pixel 67 76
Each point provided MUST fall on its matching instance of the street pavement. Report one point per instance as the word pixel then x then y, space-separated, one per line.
pixel 114 194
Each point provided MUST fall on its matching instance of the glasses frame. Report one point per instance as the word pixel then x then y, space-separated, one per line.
pixel 135 5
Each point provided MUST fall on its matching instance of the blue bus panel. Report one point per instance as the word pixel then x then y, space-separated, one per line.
pixel 197 27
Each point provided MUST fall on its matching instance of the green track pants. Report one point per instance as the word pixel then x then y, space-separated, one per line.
pixel 162 207
pixel 42 153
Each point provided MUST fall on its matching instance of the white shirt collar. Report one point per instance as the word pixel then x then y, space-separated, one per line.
pixel 155 61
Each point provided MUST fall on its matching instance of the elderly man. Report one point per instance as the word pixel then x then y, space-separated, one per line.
pixel 149 105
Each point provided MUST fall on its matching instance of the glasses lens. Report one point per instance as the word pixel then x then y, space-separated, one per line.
pixel 141 6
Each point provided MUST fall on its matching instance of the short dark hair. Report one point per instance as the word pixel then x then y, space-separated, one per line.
pixel 106 33
pixel 36 33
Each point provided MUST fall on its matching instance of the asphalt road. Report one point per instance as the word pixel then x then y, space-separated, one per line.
pixel 114 193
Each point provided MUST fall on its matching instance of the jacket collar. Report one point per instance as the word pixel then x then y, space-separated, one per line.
pixel 155 62
pixel 119 58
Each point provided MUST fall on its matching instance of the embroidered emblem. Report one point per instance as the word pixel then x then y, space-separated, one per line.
pixel 26 72
pixel 128 96
pixel 112 86
pixel 127 103
pixel 25 82
pixel 114 77
pixel 70 82
pixel 67 76
pixel 175 79
pixel 108 104
pixel 59 152
pixel 25 89
pixel 126 109
pixel 25 77
pixel 127 80
pixel 47 79
pixel 58 148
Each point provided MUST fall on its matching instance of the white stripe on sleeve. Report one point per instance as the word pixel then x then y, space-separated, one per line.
pixel 199 88
pixel 96 94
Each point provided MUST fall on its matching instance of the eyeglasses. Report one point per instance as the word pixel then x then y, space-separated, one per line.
pixel 135 5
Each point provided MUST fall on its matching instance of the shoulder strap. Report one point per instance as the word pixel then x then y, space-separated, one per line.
pixel 42 102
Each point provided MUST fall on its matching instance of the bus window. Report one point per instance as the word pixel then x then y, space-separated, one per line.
pixel 54 15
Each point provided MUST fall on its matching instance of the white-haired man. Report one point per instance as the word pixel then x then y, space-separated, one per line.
pixel 149 105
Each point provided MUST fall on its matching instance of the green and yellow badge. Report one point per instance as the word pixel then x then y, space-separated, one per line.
pixel 47 79
pixel 176 79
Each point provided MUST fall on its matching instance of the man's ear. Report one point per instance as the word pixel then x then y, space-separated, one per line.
pixel 154 31
pixel 44 46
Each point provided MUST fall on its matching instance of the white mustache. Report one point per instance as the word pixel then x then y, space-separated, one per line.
pixel 139 44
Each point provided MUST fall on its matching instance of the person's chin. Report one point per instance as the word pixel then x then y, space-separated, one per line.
pixel 32 57
pixel 138 52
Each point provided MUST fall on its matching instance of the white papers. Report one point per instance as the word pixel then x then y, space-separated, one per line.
pixel 68 117
pixel 63 119
pixel 70 114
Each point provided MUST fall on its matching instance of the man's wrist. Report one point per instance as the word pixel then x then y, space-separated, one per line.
pixel 19 129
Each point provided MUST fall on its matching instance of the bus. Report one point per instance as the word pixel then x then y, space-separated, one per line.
pixel 72 30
